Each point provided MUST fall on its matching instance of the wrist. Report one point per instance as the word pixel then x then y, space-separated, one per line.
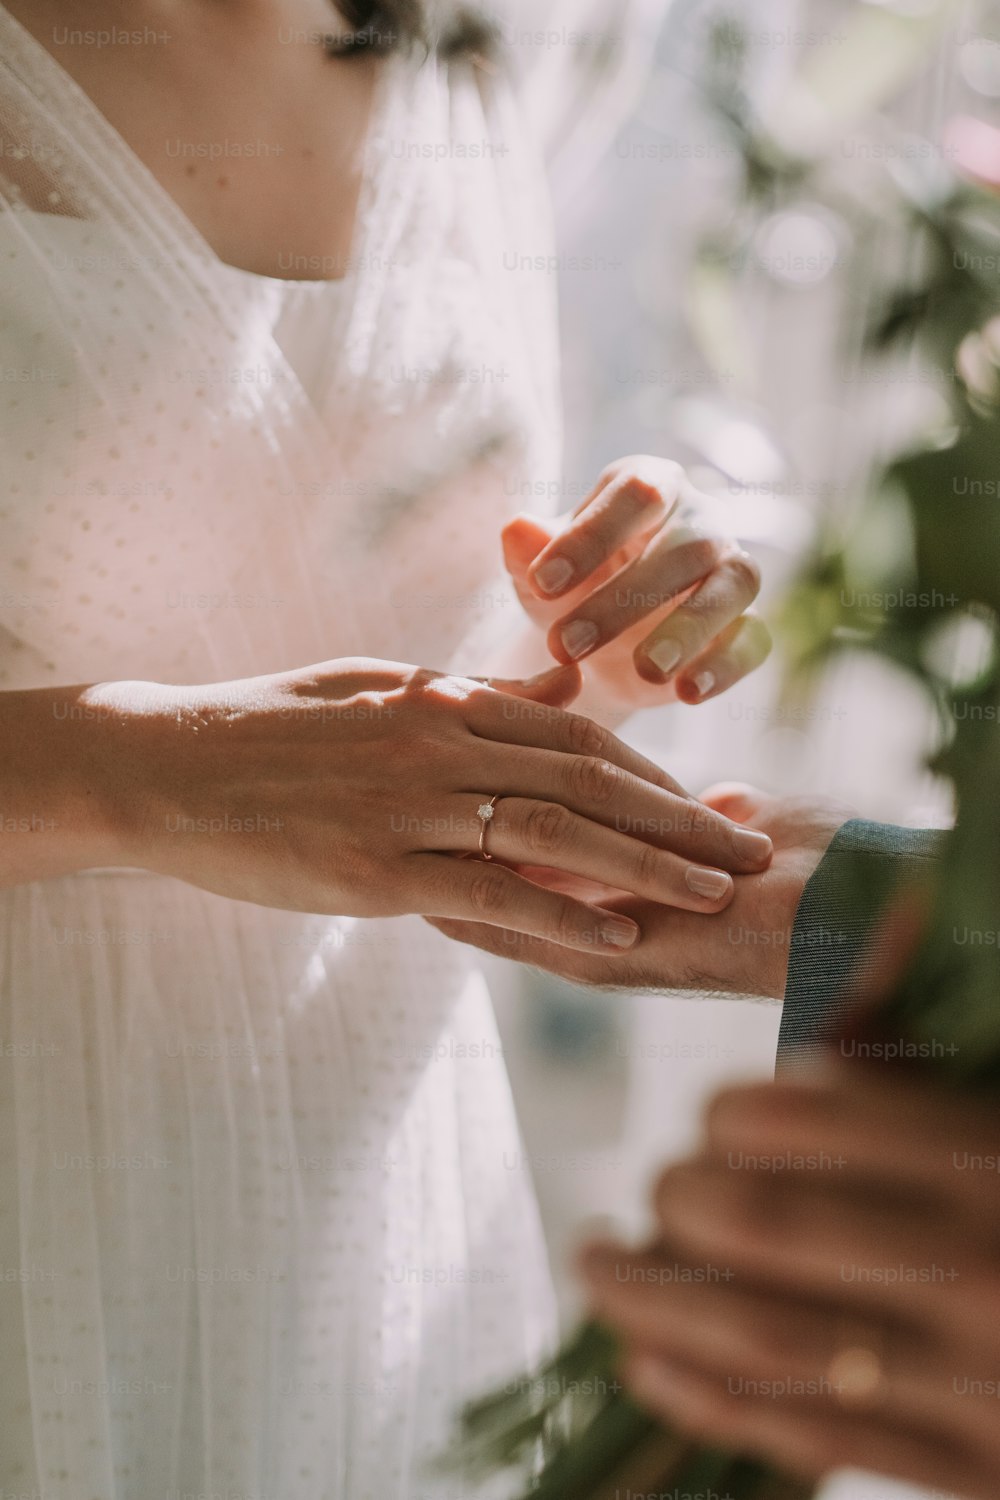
pixel 767 939
pixel 58 780
pixel 124 729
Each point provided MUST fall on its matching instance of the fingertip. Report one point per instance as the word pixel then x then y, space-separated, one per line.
pixel 551 577
pixel 699 688
pixel 556 686
pixel 519 525
pixel 618 934
pixel 726 1112
pixel 556 646
pixel 572 640
pixel 651 671
pixel 522 539
pixel 647 495
pixel 559 685
pixel 593 1259
pixel 709 885
pixel 752 847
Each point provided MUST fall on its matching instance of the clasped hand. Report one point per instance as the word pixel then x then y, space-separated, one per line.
pixel 352 788
pixel 643 584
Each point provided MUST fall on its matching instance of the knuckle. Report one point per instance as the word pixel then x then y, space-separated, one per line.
pixel 703 552
pixel 648 867
pixel 565 927
pixel 640 491
pixel 488 896
pixel 547 827
pixel 420 748
pixel 584 737
pixel 746 570
pixel 694 628
pixel 663 1191
pixel 593 782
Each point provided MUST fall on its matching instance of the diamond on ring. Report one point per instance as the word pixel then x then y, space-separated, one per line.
pixel 485 812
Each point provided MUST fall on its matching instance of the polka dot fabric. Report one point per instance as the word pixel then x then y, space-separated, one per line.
pixel 264 1222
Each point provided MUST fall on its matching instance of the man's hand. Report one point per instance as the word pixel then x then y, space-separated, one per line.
pixel 742 950
pixel 826 1291
pixel 644 585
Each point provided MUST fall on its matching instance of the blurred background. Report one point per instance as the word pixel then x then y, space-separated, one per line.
pixel 609 1087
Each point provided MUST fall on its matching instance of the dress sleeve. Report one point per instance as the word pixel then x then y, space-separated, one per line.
pixel 830 943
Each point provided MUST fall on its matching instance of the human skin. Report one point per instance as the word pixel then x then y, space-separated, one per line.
pixel 350 787
pixel 741 950
pixel 219 74
pixel 906 1181
pixel 643 587
pixel 608 585
pixel 887 1239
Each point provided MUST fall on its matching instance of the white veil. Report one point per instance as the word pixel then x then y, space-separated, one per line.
pixel 162 518
pixel 102 275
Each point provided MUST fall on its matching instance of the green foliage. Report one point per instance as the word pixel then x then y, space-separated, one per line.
pixel 928 541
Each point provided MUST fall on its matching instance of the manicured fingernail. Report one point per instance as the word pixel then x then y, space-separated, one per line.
pixel 704 682
pixel 751 845
pixel 578 637
pixel 553 575
pixel 713 884
pixel 665 655
pixel 619 934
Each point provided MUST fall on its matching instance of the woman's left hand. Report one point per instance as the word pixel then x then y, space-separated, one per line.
pixel 826 1292
pixel 642 585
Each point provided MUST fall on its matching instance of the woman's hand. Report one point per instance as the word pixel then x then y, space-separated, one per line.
pixel 852 1315
pixel 743 949
pixel 350 787
pixel 642 584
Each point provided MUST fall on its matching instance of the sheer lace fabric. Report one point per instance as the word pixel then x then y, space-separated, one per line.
pixel 264 1220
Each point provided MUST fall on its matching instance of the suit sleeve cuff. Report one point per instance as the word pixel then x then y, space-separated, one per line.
pixel 829 945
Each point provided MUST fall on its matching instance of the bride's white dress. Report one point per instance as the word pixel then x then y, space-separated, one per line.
pixel 263 1218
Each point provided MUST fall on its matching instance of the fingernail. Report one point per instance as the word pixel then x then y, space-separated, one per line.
pixel 751 845
pixel 578 637
pixel 665 655
pixel 714 884
pixel 704 682
pixel 620 934
pixel 553 575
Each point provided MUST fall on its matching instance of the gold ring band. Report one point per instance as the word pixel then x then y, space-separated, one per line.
pixel 485 813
